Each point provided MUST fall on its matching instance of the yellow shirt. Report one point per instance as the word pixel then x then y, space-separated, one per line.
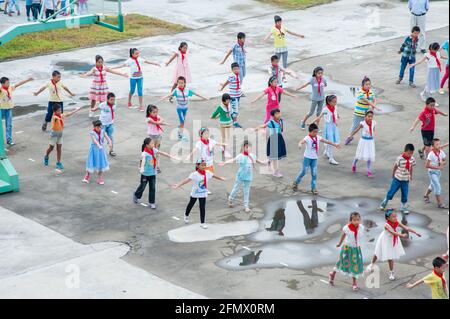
pixel 279 37
pixel 6 103
pixel 437 289
pixel 55 94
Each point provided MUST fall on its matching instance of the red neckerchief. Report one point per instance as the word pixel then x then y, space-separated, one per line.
pixel 100 69
pixel 279 29
pixel 394 227
pixel 275 91
pixel 316 145
pixel 370 127
pixel 203 173
pixel 277 68
pixel 248 155
pixel 355 231
pixel 332 109
pixel 206 143
pixel 155 118
pixel 408 161
pixel 60 119
pixel 182 92
pixel 242 46
pixel 137 63
pixel 56 88
pixel 437 154
pixel 151 152
pixel 99 137
pixel 319 82
pixel 7 91
pixel 111 107
pixel 444 282
pixel 183 56
pixel 414 42
pixel 434 54
pixel 367 93
pixel 238 82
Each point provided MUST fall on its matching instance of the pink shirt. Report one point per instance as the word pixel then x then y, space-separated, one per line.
pixel 272 100
pixel 153 129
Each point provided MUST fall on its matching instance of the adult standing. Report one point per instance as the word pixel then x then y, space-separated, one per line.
pixel 419 10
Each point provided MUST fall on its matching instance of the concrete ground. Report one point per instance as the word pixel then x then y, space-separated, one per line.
pixel 92 214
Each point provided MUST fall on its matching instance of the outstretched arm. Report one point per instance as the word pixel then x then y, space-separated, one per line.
pixel 417 121
pixel 201 96
pixel 228 162
pixel 227 55
pixel 168 156
pixel 152 63
pixel 73 112
pixel 173 57
pixel 330 143
pixel 68 91
pixel 119 66
pixel 86 74
pixel 301 87
pixel 438 111
pixel 298 35
pixel 341 240
pixel 268 36
pixel 289 94
pixel 112 71
pixel 317 120
pixel 181 184
pixel 23 82
pixel 411 286
pixel 356 131
pixel 418 62
pixel 409 229
pixel 219 178
pixel 165 97
pixel 259 97
pixel 42 89
pixel 223 85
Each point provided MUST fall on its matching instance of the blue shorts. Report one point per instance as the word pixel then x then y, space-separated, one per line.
pixel 182 114
pixel 139 83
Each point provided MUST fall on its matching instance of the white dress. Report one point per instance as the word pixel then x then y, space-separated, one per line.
pixel 366 146
pixel 385 249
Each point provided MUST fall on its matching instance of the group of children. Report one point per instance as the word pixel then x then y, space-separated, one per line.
pixel 324 106
pixel 33 8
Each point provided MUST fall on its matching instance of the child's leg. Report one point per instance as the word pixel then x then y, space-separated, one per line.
pixel 7 115
pixel 109 130
pixel 445 77
pixel 356 121
pixel 247 185
pixel 133 85
pixel 173 87
pixel 190 205
pixel 58 152
pixel 49 150
pixel 369 167
pixel 355 162
pixel 374 259
pixel 319 107
pixel 152 189
pixel 412 70
pixel 405 191
pixel 285 59
pixel 143 184
pixel 403 64
pixel 391 264
pixel 202 202
pixel 48 116
pixel 234 109
pixel 93 103
pixel 314 105
pixel 274 164
pixel 395 186
pixel 140 87
pixel 235 190
pixel 306 164
pixel 354 282
pixel 313 165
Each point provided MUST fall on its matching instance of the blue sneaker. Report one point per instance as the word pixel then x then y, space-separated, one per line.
pixel 45 160
pixel 237 125
pixel 383 204
pixel 303 126
pixel 59 165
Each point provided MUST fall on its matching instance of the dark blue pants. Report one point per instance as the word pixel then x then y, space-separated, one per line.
pixel 404 62
pixel 395 186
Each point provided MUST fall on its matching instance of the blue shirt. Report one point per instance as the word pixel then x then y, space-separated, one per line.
pixel 445 47
pixel 149 169
pixel 246 164
pixel 418 7
pixel 239 55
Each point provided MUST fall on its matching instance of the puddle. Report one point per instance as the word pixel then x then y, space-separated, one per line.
pixel 302 233
pixel 27 109
pixel 379 5
pixel 74 66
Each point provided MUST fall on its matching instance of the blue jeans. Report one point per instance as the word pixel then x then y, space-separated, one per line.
pixel 404 62
pixel 308 163
pixel 283 56
pixel 435 184
pixel 182 114
pixel 7 115
pixel 395 186
pixel 235 107
pixel 109 129
pixel 139 83
pixel 237 186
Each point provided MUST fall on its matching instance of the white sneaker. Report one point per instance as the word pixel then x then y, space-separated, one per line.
pixel 333 161
pixel 91 114
pixel 247 210
pixel 204 226
pixel 277 174
pixel 209 192
pixel 186 219
pixel 369 269
pixel 391 276
pixel 152 206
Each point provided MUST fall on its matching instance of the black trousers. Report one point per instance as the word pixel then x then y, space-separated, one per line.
pixel 49 13
pixel 202 202
pixel 36 9
pixel 151 181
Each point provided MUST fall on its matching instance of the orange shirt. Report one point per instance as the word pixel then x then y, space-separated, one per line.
pixel 58 123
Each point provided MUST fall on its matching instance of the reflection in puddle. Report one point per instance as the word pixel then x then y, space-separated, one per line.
pixel 74 66
pixel 303 233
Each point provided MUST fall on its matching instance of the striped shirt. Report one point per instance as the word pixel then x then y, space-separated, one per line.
pixel 235 86
pixel 362 106
pixel 401 173
pixel 182 100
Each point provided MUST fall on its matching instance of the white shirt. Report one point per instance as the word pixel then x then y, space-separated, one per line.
pixel 350 239
pixel 206 151
pixel 134 70
pixel 435 160
pixel 365 131
pixel 50 4
pixel 106 114
pixel 432 63
pixel 198 184
pixel 328 115
pixel 311 152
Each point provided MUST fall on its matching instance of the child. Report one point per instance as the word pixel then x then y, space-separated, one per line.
pixel 7 105
pixel 402 174
pixel 279 32
pixel 366 101
pixel 311 156
pixel 29 8
pixel 182 95
pixel 273 97
pixel 9 4
pixel 331 116
pixel 427 117
pixel 445 54
pixel 318 84
pixel 182 68
pixel 148 171
pixel 276 146
pixel 279 72
pixel 200 179
pixel 433 58
pixel 155 123
pixel 56 134
pixel 408 51
pixel 135 63
pixel 223 113
pixel 99 87
pixel 350 259
pixel 366 146
pixel 205 148
pixel 388 246
pixel 436 280
pixel 239 55
pixel 234 82
pixel 107 117
pixel 436 162
pixel 97 160
pixel 55 88
pixel 244 176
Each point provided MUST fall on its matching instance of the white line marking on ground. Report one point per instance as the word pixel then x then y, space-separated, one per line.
pixel 145 205
pixel 176 218
pixel 324 281
pixel 246 248
pixel 114 192
pixel 31 160
pixel 284 264
pixel 20 132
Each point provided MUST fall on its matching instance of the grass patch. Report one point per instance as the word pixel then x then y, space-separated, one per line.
pixel 297 4
pixel 136 26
